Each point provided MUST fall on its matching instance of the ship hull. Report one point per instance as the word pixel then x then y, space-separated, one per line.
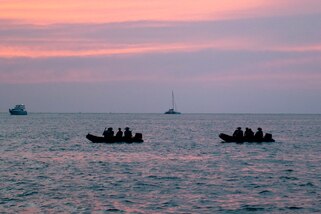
pixel 230 139
pixel 172 112
pixel 13 112
pixel 99 139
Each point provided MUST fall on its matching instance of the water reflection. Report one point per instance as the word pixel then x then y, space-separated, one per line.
pixel 181 168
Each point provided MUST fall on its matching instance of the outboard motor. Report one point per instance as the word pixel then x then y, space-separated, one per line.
pixel 138 137
pixel 268 137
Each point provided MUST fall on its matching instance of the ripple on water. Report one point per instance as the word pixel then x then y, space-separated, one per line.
pixel 181 168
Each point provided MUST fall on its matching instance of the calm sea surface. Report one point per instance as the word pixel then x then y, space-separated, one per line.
pixel 48 166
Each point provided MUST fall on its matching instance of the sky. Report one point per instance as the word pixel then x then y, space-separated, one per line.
pixel 245 56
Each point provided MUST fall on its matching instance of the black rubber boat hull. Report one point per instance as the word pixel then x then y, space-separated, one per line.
pixel 230 139
pixel 99 139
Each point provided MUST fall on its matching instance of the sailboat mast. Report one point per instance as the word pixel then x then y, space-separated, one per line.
pixel 172 110
pixel 173 104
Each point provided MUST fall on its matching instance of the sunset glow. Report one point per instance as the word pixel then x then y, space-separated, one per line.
pixel 82 11
pixel 161 42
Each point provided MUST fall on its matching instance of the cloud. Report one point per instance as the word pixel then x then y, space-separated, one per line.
pixel 212 48
pixel 277 33
pixel 71 11
pixel 227 51
pixel 205 67
pixel 82 11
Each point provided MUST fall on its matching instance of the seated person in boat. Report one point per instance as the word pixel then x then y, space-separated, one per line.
pixel 248 134
pixel 119 134
pixel 238 133
pixel 259 134
pixel 127 133
pixel 108 133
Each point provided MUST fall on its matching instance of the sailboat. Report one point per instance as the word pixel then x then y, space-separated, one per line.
pixel 172 110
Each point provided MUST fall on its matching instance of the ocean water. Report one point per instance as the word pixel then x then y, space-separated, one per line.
pixel 48 166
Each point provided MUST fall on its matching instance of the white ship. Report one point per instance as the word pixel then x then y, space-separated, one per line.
pixel 19 109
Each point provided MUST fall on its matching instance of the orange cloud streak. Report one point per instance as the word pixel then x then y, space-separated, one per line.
pixel 25 51
pixel 96 11
pixel 81 49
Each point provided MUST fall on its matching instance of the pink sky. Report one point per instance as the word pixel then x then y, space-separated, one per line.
pixel 233 44
pixel 97 11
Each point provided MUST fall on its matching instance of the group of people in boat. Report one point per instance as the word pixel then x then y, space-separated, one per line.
pixel 248 134
pixel 109 133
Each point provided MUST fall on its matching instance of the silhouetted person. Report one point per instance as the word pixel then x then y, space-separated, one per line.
pixel 259 134
pixel 119 134
pixel 127 133
pixel 238 134
pixel 109 133
pixel 105 132
pixel 248 134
